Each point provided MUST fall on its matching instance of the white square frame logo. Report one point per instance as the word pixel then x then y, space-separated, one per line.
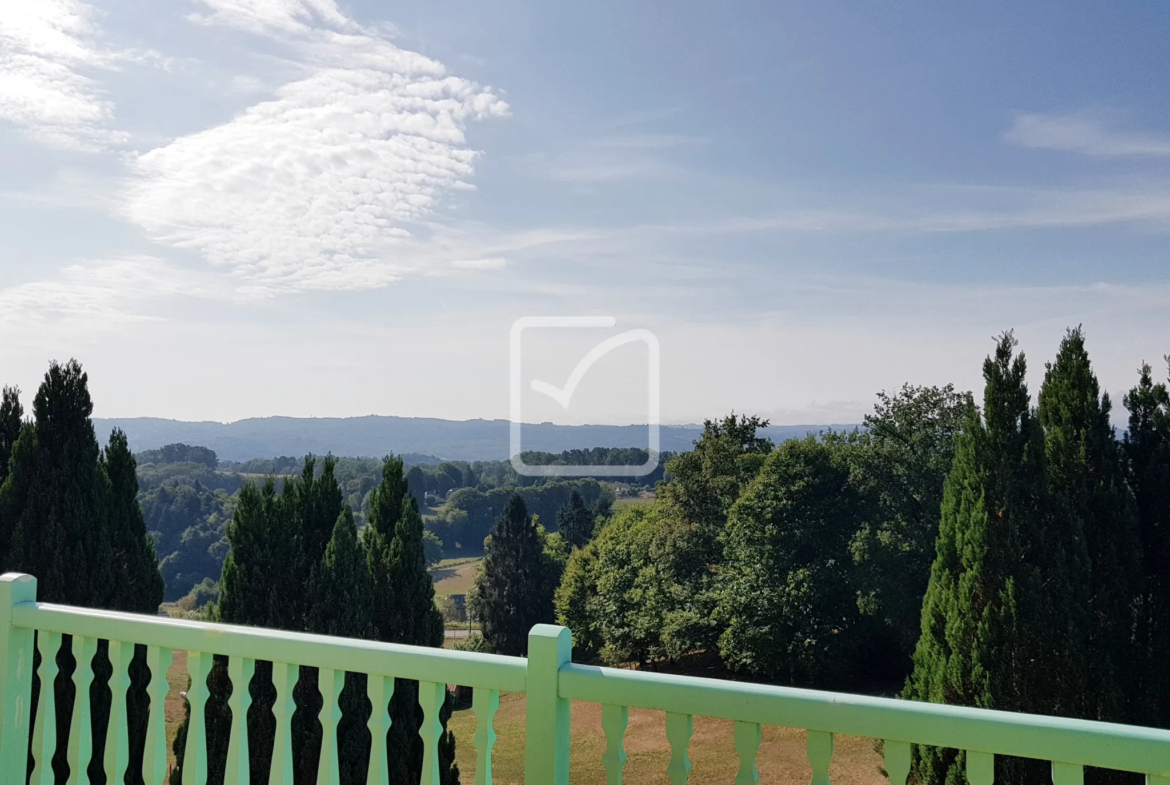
pixel 563 395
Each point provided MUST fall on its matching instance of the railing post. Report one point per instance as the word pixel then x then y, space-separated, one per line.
pixel 16 672
pixel 546 748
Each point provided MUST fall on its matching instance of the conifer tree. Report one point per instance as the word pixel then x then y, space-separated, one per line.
pixel 513 586
pixel 267 580
pixel 575 521
pixel 340 605
pixel 1147 449
pixel 1091 518
pixel 138 584
pixel 982 604
pixel 56 492
pixel 403 603
pixel 73 522
pixel 11 420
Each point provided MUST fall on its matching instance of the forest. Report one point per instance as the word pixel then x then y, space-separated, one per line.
pixel 986 549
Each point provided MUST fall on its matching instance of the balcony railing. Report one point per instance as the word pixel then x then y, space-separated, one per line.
pixel 548 677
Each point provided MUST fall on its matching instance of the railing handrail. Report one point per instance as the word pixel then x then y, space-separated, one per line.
pixel 549 678
pixel 420 663
pixel 1081 742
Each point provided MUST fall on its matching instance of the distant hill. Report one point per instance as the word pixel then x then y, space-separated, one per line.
pixel 466 440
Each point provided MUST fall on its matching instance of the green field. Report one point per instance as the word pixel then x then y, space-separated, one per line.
pixel 454 576
pixel 781 758
pixel 633 501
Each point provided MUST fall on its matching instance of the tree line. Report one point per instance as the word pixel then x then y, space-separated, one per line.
pixel 296 562
pixel 69 516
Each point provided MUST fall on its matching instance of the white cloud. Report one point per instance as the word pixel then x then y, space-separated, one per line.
pixel 320 187
pixel 268 16
pixel 91 294
pixel 1084 134
pixel 494 263
pixel 46 48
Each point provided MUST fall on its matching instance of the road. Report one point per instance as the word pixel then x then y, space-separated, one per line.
pixel 462 633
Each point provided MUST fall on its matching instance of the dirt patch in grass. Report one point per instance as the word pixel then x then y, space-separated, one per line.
pixel 782 756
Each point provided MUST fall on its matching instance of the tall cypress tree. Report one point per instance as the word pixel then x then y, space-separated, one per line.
pixel 11 422
pixel 1147 450
pixel 513 585
pixel 73 521
pixel 58 495
pixel 403 603
pixel 138 585
pixel 11 419
pixel 983 602
pixel 340 592
pixel 1091 514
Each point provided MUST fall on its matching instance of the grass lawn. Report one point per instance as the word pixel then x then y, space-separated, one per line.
pixel 455 576
pixel 173 708
pixel 781 758
pixel 782 755
pixel 633 501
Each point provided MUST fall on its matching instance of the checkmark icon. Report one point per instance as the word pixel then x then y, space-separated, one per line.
pixel 564 394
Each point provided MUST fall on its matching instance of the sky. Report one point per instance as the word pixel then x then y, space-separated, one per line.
pixel 240 208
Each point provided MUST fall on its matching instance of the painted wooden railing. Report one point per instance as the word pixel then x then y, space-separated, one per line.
pixel 548 676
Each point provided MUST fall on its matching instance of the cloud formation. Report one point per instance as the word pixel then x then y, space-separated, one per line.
pixel 47 48
pixel 1084 134
pixel 322 186
pixel 91 294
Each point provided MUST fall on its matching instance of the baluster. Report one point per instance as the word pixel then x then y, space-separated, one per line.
pixel 897 761
pixel 614 720
pixel 239 764
pixel 379 689
pixel 431 696
pixel 980 768
pixel 819 746
pixel 747 743
pixel 117 746
pixel 679 728
pixel 45 729
pixel 81 725
pixel 195 753
pixel 484 704
pixel 1067 774
pixel 330 682
pixel 154 757
pixel 284 678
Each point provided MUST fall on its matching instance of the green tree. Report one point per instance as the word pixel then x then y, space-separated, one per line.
pixel 11 421
pixel 1091 519
pixel 575 521
pixel 899 464
pixel 267 581
pixel 340 592
pixel 403 611
pixel 786 589
pixel 574 601
pixel 1147 450
pixel 138 585
pixel 73 522
pixel 513 587
pixel 980 612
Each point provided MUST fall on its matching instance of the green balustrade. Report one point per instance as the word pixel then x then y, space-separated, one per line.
pixel 548 677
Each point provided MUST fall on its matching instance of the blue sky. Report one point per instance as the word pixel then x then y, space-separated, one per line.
pixel 233 208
